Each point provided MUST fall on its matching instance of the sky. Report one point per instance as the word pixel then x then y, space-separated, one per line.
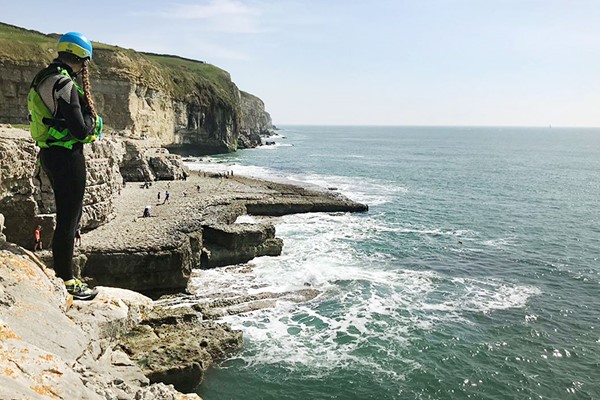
pixel 377 62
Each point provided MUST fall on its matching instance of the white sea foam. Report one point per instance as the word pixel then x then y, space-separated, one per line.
pixel 273 146
pixel 500 243
pixel 369 191
pixel 218 166
pixel 246 219
pixel 365 301
pixel 372 192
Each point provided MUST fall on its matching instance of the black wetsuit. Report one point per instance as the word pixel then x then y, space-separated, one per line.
pixel 66 170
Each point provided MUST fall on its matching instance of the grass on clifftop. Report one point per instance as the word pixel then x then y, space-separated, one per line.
pixel 177 75
pixel 18 44
pixel 208 74
pixel 22 35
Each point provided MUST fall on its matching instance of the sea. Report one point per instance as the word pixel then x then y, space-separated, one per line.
pixel 475 274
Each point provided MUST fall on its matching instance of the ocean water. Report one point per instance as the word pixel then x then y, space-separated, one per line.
pixel 474 275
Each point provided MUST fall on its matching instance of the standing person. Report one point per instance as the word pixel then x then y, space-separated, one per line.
pixel 167 195
pixel 38 238
pixel 158 197
pixel 63 118
pixel 78 237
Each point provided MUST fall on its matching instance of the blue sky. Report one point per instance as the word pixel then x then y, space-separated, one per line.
pixel 403 62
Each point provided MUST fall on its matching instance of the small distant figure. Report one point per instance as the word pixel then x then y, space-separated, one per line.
pixel 124 181
pixel 168 185
pixel 158 197
pixel 147 211
pixel 78 237
pixel 167 195
pixel 198 188
pixel 38 238
pixel 460 242
pixel 184 194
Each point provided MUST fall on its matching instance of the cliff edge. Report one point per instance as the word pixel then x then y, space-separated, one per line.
pixel 180 102
pixel 52 350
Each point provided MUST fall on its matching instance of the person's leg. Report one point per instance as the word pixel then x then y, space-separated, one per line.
pixel 66 170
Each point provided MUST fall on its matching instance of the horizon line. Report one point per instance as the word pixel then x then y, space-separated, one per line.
pixel 441 126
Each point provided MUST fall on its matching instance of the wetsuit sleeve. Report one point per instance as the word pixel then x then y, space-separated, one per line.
pixel 77 118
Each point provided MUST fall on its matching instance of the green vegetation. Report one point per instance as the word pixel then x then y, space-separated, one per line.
pixel 198 73
pixel 18 44
pixel 22 35
pixel 175 75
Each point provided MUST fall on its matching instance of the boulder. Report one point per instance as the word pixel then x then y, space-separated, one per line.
pixel 227 244
pixel 248 140
pixel 178 349
pixel 145 161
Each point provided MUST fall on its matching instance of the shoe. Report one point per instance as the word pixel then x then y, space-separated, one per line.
pixel 80 290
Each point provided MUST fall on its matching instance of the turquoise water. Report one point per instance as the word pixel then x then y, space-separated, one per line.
pixel 474 275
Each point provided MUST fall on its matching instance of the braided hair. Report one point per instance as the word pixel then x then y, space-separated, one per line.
pixel 71 58
pixel 87 88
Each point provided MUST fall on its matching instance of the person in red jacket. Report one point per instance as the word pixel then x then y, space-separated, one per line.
pixel 38 238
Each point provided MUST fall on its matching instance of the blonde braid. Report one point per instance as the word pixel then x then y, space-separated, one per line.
pixel 87 88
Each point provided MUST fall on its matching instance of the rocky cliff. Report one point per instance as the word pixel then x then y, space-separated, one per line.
pixel 119 346
pixel 183 103
pixel 26 197
pixel 255 122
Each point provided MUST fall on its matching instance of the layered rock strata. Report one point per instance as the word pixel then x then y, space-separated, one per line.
pixel 26 197
pixel 255 121
pixel 51 351
pixel 195 228
pixel 180 102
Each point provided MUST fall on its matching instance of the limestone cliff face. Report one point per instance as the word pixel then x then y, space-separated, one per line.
pixel 120 346
pixel 26 197
pixel 15 78
pixel 182 103
pixel 255 122
pixel 139 98
pixel 17 203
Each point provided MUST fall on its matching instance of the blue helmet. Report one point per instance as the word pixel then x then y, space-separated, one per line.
pixel 75 43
